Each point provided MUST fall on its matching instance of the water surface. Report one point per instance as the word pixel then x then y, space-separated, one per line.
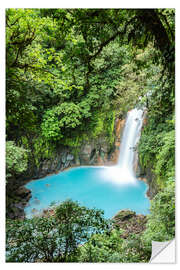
pixel 107 188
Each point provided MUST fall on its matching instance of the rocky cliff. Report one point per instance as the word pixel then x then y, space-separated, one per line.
pixel 145 174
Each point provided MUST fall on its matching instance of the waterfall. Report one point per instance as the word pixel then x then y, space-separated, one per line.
pixel 130 139
pixel 123 173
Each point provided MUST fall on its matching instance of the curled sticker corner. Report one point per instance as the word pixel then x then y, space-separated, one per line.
pixel 163 252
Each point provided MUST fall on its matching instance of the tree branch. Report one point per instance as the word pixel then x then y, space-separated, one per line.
pixel 113 38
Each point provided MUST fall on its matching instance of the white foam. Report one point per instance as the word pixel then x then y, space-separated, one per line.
pixel 118 176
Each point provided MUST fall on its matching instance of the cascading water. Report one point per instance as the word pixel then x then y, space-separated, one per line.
pixel 123 172
pixel 108 188
pixel 130 139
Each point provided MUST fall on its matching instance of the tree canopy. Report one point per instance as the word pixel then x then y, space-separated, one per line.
pixel 53 238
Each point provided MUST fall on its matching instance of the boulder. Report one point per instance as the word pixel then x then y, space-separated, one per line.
pixel 23 192
pixel 124 215
pixel 129 222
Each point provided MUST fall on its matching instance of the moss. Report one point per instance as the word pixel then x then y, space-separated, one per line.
pixel 109 127
pixel 124 214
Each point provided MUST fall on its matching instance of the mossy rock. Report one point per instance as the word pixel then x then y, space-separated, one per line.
pixel 128 221
pixel 124 215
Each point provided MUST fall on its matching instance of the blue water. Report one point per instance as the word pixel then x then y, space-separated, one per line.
pixel 104 188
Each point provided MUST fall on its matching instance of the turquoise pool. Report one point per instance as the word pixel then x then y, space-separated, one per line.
pixel 106 188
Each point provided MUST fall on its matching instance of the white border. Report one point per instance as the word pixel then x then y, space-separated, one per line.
pixel 89 4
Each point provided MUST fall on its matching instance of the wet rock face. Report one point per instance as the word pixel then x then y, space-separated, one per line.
pixel 94 152
pixel 152 185
pixel 114 155
pixel 145 174
pixel 129 222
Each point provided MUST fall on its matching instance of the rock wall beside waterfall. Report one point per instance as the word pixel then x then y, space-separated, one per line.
pixel 145 174
pixel 136 166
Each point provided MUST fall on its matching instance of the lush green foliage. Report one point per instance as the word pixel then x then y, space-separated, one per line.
pixel 161 221
pixel 16 159
pixel 165 166
pixel 112 247
pixel 68 69
pixel 53 238
pixel 157 148
pixel 65 116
